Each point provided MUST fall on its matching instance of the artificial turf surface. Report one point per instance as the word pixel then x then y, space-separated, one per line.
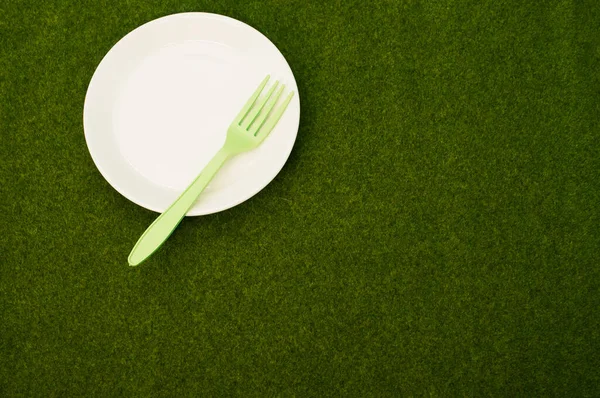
pixel 434 233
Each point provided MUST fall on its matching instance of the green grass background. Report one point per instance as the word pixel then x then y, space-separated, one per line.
pixel 434 233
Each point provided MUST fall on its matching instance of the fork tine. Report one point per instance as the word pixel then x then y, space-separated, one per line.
pixel 258 108
pixel 267 111
pixel 268 125
pixel 240 117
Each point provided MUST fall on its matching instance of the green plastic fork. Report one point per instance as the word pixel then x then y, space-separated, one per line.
pixel 251 126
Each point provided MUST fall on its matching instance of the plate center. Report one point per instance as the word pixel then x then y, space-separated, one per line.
pixel 172 113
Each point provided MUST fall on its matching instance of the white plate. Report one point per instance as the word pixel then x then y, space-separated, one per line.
pixel 159 104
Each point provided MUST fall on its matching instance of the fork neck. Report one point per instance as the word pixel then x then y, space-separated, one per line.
pixel 222 155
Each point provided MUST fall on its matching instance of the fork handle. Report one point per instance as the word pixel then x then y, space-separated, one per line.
pixel 165 224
